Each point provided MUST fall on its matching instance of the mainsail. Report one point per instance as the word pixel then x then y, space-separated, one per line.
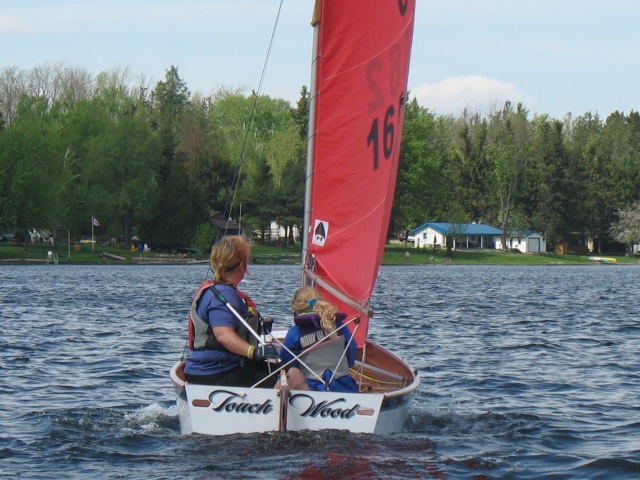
pixel 357 107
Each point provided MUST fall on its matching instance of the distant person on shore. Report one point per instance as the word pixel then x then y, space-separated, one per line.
pixel 224 351
pixel 315 319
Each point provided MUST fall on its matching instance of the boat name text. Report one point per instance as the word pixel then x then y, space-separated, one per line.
pixel 325 408
pixel 230 404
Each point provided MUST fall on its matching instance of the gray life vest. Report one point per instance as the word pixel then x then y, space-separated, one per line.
pixel 203 337
pixel 322 354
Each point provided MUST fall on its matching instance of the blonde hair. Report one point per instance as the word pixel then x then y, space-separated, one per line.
pixel 227 254
pixel 308 299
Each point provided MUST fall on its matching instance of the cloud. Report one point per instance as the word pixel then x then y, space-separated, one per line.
pixel 9 24
pixel 474 92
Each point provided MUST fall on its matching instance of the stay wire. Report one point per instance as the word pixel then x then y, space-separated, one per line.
pixel 236 180
pixel 243 151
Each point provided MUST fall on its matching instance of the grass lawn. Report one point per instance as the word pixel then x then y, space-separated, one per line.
pixel 395 254
pixel 398 256
pixel 37 253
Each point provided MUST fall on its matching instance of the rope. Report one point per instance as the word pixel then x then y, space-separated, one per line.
pixel 243 151
pixel 377 380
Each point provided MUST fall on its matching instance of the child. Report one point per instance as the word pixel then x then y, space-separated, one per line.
pixel 314 319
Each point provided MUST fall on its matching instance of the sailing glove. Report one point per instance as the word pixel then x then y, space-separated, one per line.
pixel 265 352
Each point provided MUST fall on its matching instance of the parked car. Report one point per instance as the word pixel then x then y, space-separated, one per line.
pixel 7 236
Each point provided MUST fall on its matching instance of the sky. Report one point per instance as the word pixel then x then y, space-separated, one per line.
pixel 553 56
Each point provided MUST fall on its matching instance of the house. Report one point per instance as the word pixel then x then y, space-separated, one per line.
pixel 527 242
pixel 228 227
pixel 277 231
pixel 465 235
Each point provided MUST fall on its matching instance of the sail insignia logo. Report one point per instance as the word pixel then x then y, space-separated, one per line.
pixel 320 233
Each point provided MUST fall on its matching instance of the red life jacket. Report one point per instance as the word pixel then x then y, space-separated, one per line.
pixel 211 342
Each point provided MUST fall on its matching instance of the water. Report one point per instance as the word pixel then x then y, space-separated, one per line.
pixel 527 373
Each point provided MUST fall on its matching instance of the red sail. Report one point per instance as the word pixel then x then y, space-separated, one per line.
pixel 363 55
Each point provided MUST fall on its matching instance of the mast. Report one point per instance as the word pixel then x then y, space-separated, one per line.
pixel 310 137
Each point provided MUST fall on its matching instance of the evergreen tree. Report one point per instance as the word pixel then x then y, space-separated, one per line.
pixel 508 152
pixel 174 222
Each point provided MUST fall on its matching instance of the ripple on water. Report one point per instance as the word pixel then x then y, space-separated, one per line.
pixel 527 372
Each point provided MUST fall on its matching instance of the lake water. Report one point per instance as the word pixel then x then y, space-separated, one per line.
pixel 527 373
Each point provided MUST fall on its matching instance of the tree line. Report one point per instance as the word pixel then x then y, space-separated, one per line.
pixel 571 179
pixel 155 161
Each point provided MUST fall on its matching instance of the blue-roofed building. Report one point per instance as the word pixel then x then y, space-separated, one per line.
pixel 465 235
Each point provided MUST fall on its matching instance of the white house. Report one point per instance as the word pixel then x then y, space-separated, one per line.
pixel 277 231
pixel 529 242
pixel 465 235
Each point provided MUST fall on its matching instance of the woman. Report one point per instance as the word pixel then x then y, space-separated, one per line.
pixel 314 320
pixel 224 351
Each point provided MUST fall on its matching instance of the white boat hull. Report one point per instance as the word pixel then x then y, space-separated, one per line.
pixel 218 410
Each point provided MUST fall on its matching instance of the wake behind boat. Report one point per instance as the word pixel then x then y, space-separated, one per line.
pixel 358 92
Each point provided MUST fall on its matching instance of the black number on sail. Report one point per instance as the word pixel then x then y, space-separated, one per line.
pixel 386 77
pixel 402 6
pixel 389 132
pixel 388 137
pixel 373 139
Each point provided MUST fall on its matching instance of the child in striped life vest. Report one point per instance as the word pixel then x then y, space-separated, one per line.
pixel 328 353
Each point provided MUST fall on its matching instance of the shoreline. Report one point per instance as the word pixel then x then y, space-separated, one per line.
pixel 453 263
pixel 394 254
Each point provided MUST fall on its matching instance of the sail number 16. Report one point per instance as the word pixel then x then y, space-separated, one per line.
pixel 387 135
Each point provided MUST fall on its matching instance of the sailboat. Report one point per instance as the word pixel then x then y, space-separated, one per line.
pixel 358 91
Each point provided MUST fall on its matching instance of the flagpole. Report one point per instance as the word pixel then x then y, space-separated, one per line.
pixel 92 237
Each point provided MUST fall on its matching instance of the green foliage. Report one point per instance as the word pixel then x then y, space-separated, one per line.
pixel 548 205
pixel 31 168
pixel 156 160
pixel 420 191
pixel 290 187
pixel 508 151
pixel 205 238
pixel 468 169
pixel 590 171
pixel 257 198
pixel 126 158
pixel 176 212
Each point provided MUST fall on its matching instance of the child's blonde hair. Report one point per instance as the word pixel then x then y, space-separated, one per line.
pixel 308 299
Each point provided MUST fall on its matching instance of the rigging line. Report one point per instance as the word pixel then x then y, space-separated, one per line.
pixel 243 151
pixel 344 352
pixel 297 357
